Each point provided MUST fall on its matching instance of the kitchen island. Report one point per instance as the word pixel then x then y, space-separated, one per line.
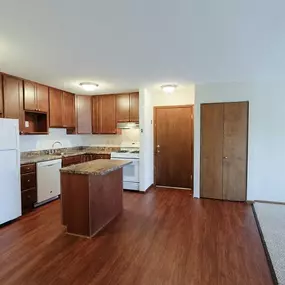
pixel 91 195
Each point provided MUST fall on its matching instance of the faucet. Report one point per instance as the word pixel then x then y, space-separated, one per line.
pixel 56 143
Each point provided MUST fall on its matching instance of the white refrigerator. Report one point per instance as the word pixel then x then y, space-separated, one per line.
pixel 10 185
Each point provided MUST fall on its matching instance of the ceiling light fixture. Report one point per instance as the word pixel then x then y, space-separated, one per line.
pixel 169 88
pixel 89 86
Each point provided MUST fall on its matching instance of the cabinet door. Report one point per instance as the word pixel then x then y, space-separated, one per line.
pixel 13 99
pixel 42 98
pixel 123 107
pixel 68 110
pixel 134 107
pixel 30 97
pixel 84 114
pixel 1 98
pixel 107 110
pixel 55 108
pixel 95 115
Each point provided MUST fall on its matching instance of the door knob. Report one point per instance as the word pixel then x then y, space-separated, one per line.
pixel 158 146
pixel 225 157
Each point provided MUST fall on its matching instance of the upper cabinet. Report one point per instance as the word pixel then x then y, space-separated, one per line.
pixel 13 99
pixel 104 114
pixel 1 98
pixel 134 107
pixel 123 107
pixel 62 109
pixel 84 114
pixel 127 107
pixel 35 97
pixel 68 111
pixel 55 108
pixel 43 98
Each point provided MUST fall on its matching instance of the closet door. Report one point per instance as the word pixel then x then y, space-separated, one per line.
pixel 212 150
pixel 235 151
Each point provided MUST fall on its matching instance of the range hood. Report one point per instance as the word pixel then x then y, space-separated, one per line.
pixel 129 125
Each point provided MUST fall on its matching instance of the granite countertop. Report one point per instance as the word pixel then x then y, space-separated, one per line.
pixel 40 156
pixel 95 167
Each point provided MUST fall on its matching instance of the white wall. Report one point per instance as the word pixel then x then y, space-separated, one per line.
pixel 183 95
pixel 266 154
pixel 146 140
pixel 41 142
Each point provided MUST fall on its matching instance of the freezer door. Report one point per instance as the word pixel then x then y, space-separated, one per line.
pixel 9 134
pixel 10 192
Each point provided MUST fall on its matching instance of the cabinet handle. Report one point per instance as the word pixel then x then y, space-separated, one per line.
pixel 29 180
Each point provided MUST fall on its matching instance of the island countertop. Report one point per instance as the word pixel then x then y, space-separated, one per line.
pixel 95 167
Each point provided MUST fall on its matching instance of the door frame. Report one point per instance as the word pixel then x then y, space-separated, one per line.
pixel 155 108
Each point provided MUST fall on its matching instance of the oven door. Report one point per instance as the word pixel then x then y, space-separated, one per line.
pixel 130 171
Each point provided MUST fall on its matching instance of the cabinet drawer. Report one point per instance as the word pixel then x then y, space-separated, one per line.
pixel 29 198
pixel 28 168
pixel 28 181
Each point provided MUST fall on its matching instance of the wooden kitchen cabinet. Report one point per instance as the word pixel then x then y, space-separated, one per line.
pixel 55 108
pixel 104 114
pixel 43 98
pixel 30 96
pixel 68 110
pixel 84 114
pixel 36 97
pixel 127 107
pixel 134 107
pixel 70 160
pixel 13 99
pixel 28 187
pixel 123 107
pixel 1 98
pixel 62 109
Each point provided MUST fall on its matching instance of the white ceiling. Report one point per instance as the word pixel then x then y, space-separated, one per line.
pixel 131 44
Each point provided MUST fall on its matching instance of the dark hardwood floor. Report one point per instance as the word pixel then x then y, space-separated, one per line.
pixel 162 237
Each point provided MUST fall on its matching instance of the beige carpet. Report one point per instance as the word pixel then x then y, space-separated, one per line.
pixel 271 218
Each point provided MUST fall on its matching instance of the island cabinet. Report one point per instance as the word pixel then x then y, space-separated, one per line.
pixel 84 114
pixel 104 114
pixel 62 109
pixel 1 98
pixel 13 99
pixel 99 200
pixel 127 107
pixel 36 97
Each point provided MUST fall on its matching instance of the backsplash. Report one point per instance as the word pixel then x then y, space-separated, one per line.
pixel 42 142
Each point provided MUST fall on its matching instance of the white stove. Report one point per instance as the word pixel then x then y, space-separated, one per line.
pixel 130 171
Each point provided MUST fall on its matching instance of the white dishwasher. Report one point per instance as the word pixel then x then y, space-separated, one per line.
pixel 48 180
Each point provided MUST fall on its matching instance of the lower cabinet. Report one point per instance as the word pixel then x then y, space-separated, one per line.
pixel 28 187
pixel 76 159
pixel 70 160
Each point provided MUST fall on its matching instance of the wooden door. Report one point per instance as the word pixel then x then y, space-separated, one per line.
pixel 84 114
pixel 42 98
pixel 123 107
pixel 212 150
pixel 235 151
pixel 68 110
pixel 224 129
pixel 174 146
pixel 13 99
pixel 55 108
pixel 1 98
pixel 95 115
pixel 30 97
pixel 134 107
pixel 107 111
